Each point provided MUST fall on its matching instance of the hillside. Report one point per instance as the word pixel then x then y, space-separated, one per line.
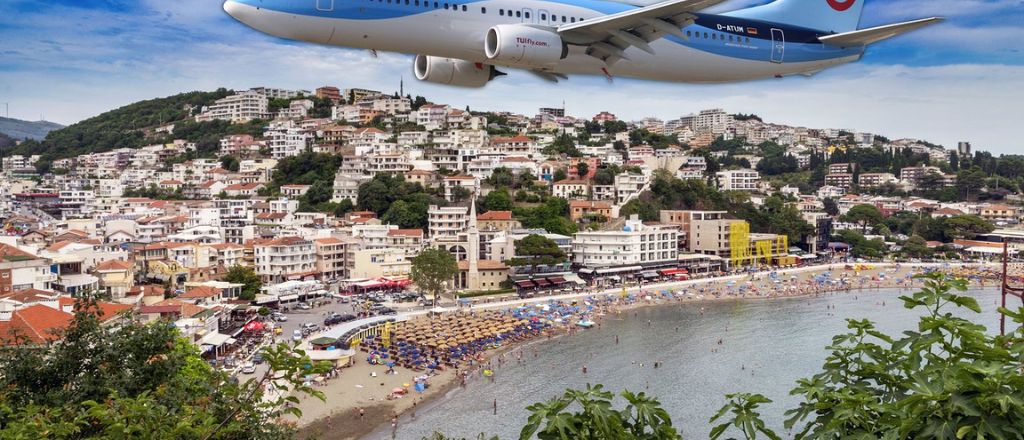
pixel 18 129
pixel 118 128
pixel 5 141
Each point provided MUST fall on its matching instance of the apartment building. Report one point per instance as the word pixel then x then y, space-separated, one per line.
pixel 636 245
pixel 447 221
pixel 240 107
pixel 285 258
pixel 738 180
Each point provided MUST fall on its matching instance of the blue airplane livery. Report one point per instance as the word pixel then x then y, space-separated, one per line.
pixel 465 43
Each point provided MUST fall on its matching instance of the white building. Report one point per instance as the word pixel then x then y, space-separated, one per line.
pixel 738 180
pixel 286 139
pixel 284 258
pixel 636 244
pixel 241 107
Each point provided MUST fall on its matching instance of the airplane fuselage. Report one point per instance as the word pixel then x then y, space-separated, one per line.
pixel 718 48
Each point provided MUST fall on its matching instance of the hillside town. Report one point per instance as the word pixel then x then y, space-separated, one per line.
pixel 304 196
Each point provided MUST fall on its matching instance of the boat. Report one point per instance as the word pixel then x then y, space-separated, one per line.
pixel 586 323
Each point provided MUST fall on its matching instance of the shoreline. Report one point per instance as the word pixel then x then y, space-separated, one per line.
pixel 380 412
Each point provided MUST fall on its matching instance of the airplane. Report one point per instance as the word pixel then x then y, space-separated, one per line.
pixel 464 42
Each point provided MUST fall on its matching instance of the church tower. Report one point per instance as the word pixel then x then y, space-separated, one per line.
pixel 473 239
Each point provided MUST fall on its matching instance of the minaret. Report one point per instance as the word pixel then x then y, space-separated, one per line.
pixel 473 239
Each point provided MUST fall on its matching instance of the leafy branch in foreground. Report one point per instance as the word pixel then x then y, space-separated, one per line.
pixel 643 417
pixel 139 381
pixel 947 379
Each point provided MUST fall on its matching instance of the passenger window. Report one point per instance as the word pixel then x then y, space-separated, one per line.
pixel 483 10
pixel 464 8
pixel 519 14
pixel 501 12
pixel 688 34
pixel 543 16
pixel 563 19
pixel 527 15
pixel 446 5
pixel 705 35
pixel 572 20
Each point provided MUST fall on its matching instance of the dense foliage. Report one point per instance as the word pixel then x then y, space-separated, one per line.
pixel 551 215
pixel 247 276
pixel 397 201
pixel 138 381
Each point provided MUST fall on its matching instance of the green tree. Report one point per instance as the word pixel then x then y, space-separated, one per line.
pixel 560 175
pixel 965 227
pixel 916 247
pixel 408 215
pixel 864 215
pixel 582 169
pixel 432 269
pixel 970 182
pixel 229 163
pixel 831 207
pixel 246 276
pixel 597 418
pixel 497 200
pixel 534 250
pixel 140 381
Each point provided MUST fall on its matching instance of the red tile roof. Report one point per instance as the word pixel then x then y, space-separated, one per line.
pixel 495 215
pixel 38 324
pixel 114 265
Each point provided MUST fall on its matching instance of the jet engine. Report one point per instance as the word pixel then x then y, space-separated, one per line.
pixel 524 46
pixel 453 72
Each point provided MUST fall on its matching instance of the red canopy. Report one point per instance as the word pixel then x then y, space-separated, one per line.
pixel 254 326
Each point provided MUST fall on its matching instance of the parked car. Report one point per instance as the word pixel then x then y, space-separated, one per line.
pixel 332 319
pixel 297 335
pixel 311 327
pixel 248 368
pixel 257 358
pixel 279 317
pixel 302 306
pixel 385 311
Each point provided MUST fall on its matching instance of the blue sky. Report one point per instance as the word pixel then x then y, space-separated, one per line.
pixel 961 80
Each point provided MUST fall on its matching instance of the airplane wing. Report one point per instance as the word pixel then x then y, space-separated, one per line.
pixel 868 36
pixel 609 36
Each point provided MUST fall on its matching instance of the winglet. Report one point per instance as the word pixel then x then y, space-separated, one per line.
pixel 864 37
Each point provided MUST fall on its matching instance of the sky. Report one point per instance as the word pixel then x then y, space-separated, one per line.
pixel 962 80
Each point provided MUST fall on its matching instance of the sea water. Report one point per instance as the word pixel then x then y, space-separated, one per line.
pixel 766 345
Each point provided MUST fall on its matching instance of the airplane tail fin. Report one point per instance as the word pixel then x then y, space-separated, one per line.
pixel 825 15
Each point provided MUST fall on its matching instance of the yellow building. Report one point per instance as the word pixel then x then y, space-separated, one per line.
pixel 117 277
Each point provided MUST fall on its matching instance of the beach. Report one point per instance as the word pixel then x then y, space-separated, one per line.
pixel 356 387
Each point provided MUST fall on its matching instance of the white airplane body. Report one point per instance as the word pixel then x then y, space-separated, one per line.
pixel 461 42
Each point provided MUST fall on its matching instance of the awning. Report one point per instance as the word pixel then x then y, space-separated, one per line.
pixel 649 274
pixel 607 270
pixel 288 297
pixel 370 284
pixel 557 280
pixel 541 282
pixel 587 271
pixel 215 339
pixel 572 278
pixel 265 299
pixel 808 257
pixel 525 284
pixel 670 272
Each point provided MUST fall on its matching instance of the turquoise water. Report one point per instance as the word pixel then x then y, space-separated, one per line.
pixel 766 346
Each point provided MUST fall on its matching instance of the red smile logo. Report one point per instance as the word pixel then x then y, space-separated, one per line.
pixel 841 5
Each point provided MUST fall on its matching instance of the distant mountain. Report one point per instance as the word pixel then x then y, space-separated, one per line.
pixel 18 129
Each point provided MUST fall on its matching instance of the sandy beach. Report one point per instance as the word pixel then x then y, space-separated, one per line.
pixel 356 387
